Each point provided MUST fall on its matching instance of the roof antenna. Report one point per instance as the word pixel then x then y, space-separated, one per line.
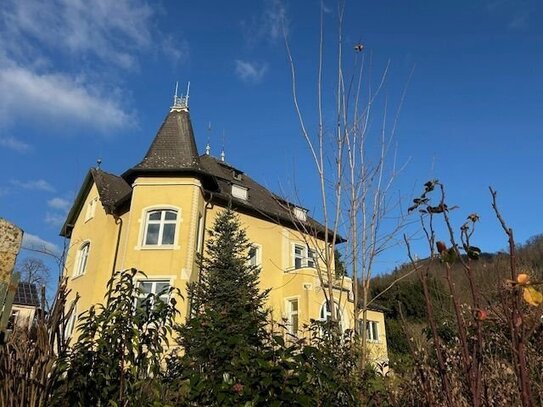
pixel 98 163
pixel 222 151
pixel 180 103
pixel 208 147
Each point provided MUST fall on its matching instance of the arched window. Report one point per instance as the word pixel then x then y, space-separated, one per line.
pixel 326 313
pixel 160 227
pixel 70 325
pixel 82 259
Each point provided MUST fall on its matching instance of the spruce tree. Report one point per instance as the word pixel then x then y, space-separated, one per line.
pixel 227 320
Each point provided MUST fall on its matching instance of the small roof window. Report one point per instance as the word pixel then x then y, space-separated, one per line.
pixel 239 192
pixel 300 213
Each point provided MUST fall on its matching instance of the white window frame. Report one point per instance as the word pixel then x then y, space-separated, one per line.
pixel 257 257
pixel 300 213
pixel 305 260
pixel 296 256
pixel 325 313
pixel 311 260
pixel 291 313
pixel 72 322
pixel 240 192
pixel 82 259
pixel 161 222
pixel 372 330
pixel 200 234
pixel 154 281
pixel 13 318
pixel 91 209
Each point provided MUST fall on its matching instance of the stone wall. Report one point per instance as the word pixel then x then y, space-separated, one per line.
pixel 10 243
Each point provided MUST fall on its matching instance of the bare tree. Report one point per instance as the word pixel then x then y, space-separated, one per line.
pixel 355 168
pixel 34 271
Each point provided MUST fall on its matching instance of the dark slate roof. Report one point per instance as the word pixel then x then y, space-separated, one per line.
pixel 260 202
pixel 173 153
pixel 113 192
pixel 26 294
pixel 174 146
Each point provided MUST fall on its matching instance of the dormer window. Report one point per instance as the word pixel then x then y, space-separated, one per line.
pixel 300 213
pixel 91 209
pixel 237 175
pixel 239 192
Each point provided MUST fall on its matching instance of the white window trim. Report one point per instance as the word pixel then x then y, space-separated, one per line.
pixel 91 209
pixel 143 226
pixel 300 213
pixel 370 322
pixel 162 278
pixel 200 233
pixel 72 323
pixel 258 248
pixel 289 313
pixel 305 256
pixel 342 321
pixel 78 270
pixel 240 192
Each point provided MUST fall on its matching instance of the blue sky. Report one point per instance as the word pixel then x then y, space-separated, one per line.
pixel 82 81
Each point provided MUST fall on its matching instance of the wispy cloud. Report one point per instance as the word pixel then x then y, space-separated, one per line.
pixel 175 50
pixel 59 203
pixel 98 42
pixel 54 219
pixel 36 243
pixel 35 185
pixel 14 144
pixel 57 98
pixel 520 21
pixel 516 13
pixel 250 72
pixel 58 216
pixel 269 25
pixel 110 31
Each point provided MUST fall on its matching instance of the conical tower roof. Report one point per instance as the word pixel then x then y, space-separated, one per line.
pixel 174 147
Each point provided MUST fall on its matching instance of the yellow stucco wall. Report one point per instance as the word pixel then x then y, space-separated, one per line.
pixel 177 263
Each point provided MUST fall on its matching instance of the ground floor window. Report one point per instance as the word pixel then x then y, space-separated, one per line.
pixel 326 314
pixel 372 330
pixel 156 287
pixel 293 316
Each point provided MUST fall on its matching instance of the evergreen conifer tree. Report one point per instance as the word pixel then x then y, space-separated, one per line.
pixel 227 320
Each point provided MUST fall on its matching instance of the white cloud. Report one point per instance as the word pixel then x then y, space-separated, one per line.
pixel 54 219
pixel 175 50
pixel 275 17
pixel 59 58
pixel 35 185
pixel 109 30
pixel 33 242
pixel 57 98
pixel 59 203
pixel 14 144
pixel 269 26
pixel 252 72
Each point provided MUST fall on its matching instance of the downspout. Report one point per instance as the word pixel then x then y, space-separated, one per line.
pixel 118 221
pixel 208 205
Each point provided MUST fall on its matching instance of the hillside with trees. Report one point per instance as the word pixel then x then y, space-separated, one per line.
pixel 405 295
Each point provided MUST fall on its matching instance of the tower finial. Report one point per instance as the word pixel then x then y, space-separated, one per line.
pixel 208 147
pixel 180 102
pixel 222 150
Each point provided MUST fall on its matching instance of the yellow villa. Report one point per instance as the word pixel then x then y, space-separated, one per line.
pixel 154 217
